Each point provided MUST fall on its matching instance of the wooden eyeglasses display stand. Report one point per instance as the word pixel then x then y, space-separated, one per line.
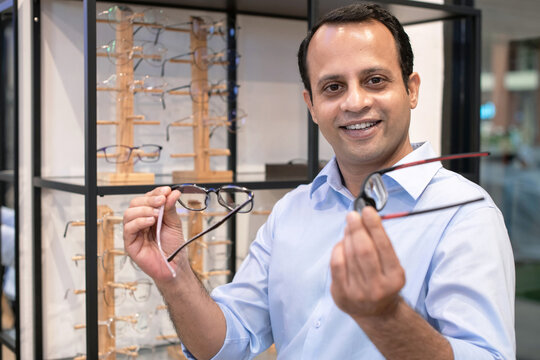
pixel 125 119
pixel 106 309
pixel 201 129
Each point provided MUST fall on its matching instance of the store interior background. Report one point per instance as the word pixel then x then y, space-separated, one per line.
pixel 270 93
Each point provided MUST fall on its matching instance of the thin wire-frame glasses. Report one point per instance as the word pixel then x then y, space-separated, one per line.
pixel 236 199
pixel 238 119
pixel 375 194
pixel 201 91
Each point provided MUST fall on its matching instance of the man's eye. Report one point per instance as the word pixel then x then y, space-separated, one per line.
pixel 332 87
pixel 376 80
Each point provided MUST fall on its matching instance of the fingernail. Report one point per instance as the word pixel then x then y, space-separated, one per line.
pixel 156 212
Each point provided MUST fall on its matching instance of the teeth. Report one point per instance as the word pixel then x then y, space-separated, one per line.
pixel 360 126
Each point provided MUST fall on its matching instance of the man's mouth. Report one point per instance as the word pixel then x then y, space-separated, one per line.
pixel 361 126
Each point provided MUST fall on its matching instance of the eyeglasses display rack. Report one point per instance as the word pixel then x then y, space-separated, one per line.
pixel 125 117
pixel 51 176
pixel 201 129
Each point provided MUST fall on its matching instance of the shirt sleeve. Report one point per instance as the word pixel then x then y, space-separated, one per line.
pixel 244 301
pixel 471 287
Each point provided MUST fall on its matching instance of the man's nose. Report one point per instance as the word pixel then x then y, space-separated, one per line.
pixel 356 99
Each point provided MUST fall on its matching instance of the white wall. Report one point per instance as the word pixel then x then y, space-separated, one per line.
pixel 276 130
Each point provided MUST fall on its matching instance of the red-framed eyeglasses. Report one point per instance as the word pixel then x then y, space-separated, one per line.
pixel 375 194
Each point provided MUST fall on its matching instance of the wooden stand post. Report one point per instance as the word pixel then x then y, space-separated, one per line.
pixel 195 251
pixel 106 309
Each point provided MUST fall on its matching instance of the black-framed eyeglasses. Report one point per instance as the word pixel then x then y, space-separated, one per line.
pixel 117 154
pixel 374 193
pixel 234 198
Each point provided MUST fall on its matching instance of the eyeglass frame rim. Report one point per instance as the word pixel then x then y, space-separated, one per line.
pixel 383 171
pixel 214 190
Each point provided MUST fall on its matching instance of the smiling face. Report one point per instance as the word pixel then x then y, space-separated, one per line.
pixel 359 99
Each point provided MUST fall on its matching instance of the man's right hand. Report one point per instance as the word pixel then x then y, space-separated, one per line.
pixel 140 221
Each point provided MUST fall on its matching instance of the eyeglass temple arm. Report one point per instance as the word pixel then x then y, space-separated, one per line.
pixel 440 158
pixel 204 232
pixel 410 213
pixel 172 58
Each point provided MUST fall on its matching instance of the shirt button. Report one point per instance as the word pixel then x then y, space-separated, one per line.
pixel 317 324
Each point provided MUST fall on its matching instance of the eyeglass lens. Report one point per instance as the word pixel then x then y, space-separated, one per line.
pixel 375 192
pixel 232 197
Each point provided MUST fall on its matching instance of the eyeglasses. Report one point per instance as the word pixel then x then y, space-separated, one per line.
pixel 375 194
pixel 238 119
pixel 119 325
pixel 119 17
pixel 204 27
pixel 73 223
pixel 203 58
pixel 117 154
pixel 120 52
pixel 201 91
pixel 117 258
pixel 116 292
pixel 236 199
pixel 145 84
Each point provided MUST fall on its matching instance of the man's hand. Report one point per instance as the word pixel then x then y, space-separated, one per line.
pixel 140 221
pixel 366 273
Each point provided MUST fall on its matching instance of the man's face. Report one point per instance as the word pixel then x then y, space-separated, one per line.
pixel 359 99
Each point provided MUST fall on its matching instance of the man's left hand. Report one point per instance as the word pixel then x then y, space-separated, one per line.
pixel 366 273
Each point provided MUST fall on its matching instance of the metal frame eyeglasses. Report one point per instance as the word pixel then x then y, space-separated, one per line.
pixel 374 193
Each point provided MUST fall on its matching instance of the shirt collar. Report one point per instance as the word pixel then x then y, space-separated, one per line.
pixel 413 180
pixel 416 178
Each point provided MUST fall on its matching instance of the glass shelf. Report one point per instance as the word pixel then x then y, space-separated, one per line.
pixel 76 184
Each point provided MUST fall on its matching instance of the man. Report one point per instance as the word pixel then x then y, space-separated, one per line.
pixel 324 282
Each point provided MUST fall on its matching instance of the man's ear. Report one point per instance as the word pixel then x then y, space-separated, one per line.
pixel 414 87
pixel 307 99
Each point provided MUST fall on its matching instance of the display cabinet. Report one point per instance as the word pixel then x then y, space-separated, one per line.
pixel 9 182
pixel 75 184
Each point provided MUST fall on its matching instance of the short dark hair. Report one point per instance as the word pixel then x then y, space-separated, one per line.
pixel 357 13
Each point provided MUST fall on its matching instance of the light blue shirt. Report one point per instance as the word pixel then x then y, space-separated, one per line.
pixel 458 263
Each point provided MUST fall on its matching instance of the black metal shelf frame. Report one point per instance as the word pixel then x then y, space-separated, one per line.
pixel 465 96
pixel 8 10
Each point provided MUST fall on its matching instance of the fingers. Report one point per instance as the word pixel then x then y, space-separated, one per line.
pixel 172 198
pixel 135 226
pixel 143 211
pixel 338 271
pixel 162 190
pixel 373 225
pixel 361 254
